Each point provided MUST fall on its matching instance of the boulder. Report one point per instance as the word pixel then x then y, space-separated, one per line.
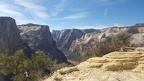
pixel 67 70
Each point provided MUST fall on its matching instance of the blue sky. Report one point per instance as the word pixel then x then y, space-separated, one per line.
pixel 68 14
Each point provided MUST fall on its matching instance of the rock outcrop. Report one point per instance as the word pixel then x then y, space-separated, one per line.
pixel 38 38
pixel 55 33
pixel 64 38
pixel 84 43
pixel 116 61
pixel 115 66
pixel 10 38
pixel 137 40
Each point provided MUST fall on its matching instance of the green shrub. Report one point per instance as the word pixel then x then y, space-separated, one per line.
pixel 22 68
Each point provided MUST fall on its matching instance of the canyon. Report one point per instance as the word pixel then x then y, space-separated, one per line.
pixel 64 38
pixel 114 66
pixel 86 41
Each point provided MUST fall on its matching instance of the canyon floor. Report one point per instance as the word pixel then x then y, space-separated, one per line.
pixel 115 66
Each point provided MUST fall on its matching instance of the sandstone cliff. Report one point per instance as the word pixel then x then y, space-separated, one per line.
pixel 115 66
pixel 64 38
pixel 84 43
pixel 10 38
pixel 38 37
pixel 87 41
pixel 55 33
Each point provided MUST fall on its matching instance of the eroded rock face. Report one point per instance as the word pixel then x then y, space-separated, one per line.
pixel 38 37
pixel 137 39
pixel 80 41
pixel 115 66
pixel 10 38
pixel 55 33
pixel 86 42
pixel 64 38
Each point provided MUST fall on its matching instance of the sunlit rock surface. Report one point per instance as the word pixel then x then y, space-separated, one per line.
pixel 115 66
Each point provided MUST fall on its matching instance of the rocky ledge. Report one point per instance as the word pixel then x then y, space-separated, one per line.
pixel 115 66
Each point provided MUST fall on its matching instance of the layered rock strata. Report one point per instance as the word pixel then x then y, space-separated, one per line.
pixel 87 41
pixel 115 66
pixel 64 38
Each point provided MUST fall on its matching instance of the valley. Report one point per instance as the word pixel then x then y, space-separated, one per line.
pixel 81 53
pixel 71 40
pixel 78 46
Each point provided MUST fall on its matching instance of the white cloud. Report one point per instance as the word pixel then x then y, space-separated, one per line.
pixel 91 27
pixel 18 14
pixel 74 16
pixel 58 8
pixel 78 9
pixel 106 11
pixel 77 16
pixel 110 2
pixel 32 7
pixel 24 21
pixel 31 11
pixel 98 26
pixel 117 25
pixel 9 10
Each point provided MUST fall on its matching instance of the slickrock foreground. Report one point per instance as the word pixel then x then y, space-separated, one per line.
pixel 115 66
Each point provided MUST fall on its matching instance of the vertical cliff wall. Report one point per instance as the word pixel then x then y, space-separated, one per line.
pixel 38 37
pixel 10 38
